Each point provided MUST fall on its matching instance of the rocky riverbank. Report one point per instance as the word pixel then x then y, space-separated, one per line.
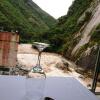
pixel 53 64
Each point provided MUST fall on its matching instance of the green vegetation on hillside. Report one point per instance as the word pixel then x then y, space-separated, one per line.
pixel 26 17
pixel 62 35
pixel 96 35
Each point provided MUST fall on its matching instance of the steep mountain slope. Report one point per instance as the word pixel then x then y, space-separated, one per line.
pixel 76 35
pixel 93 23
pixel 25 16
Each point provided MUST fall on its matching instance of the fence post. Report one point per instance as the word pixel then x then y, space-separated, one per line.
pixel 96 73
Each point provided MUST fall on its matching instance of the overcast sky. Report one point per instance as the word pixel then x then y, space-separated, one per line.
pixel 55 8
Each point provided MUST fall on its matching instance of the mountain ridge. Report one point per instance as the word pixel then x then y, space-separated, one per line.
pixel 81 25
pixel 26 17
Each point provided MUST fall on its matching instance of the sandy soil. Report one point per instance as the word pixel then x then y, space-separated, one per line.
pixel 27 57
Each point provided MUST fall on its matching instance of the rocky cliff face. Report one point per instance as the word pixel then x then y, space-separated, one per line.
pixel 85 50
pixel 77 34
pixel 92 24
